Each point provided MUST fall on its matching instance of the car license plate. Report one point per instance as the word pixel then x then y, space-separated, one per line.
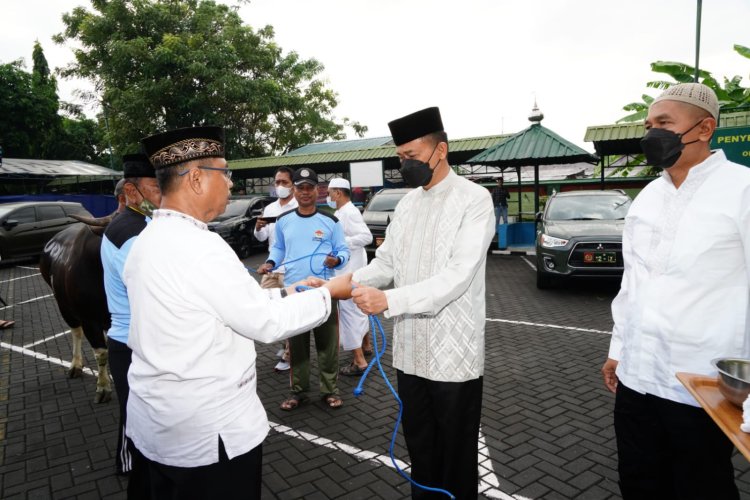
pixel 600 257
pixel 379 241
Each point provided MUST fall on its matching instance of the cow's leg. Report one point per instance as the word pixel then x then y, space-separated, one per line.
pixel 103 385
pixel 76 364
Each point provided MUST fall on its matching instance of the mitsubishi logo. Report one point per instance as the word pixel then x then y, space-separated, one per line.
pixel 600 247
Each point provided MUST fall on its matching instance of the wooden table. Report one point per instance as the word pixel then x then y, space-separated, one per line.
pixel 727 416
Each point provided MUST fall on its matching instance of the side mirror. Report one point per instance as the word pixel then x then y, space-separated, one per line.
pixel 10 223
pixel 256 212
pixel 539 217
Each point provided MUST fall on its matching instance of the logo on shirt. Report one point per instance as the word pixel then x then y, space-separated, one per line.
pixel 318 235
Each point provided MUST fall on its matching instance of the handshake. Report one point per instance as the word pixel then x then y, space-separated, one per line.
pixel 369 300
pixel 340 286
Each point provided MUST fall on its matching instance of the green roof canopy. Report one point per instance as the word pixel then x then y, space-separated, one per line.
pixel 335 157
pixel 537 145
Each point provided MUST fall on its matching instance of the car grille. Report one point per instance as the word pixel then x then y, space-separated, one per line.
pixel 576 258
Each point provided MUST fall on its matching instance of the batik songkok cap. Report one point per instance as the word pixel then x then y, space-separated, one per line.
pixel 183 145
pixel 696 94
pixel 137 165
pixel 416 125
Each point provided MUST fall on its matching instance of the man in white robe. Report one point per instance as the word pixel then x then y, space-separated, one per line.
pixel 353 323
pixel 683 302
pixel 434 253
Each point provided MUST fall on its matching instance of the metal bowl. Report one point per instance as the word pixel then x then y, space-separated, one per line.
pixel 734 378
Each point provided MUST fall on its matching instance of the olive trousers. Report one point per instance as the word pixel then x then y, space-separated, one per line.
pixel 327 346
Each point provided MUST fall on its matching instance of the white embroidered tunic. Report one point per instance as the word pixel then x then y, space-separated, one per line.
pixel 195 312
pixel 684 294
pixel 435 251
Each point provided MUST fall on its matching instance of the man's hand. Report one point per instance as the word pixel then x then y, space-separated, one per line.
pixel 370 300
pixel 265 268
pixel 313 281
pixel 260 224
pixel 608 372
pixel 331 261
pixel 340 286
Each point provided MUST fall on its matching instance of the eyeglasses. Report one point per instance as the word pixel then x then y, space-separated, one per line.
pixel 227 173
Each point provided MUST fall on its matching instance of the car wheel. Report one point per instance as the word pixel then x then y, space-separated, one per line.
pixel 543 282
pixel 244 247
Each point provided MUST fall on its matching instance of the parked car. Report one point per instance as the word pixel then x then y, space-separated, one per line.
pixel 580 234
pixel 237 223
pixel 378 214
pixel 26 226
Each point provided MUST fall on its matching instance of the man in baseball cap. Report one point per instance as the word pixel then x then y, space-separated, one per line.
pixel 683 302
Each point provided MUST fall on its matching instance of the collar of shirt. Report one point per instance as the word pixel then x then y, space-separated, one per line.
pixel 165 213
pixel 699 172
pixel 442 186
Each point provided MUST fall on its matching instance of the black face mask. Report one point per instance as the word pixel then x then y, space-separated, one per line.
pixel 417 173
pixel 663 147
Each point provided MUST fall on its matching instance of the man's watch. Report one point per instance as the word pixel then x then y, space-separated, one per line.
pixel 284 293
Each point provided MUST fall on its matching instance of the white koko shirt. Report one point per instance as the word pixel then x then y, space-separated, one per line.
pixel 684 294
pixel 435 251
pixel 268 232
pixel 195 312
pixel 357 236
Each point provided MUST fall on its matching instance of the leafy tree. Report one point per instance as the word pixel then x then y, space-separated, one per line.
pixel 31 125
pixel 162 64
pixel 45 117
pixel 731 94
pixel 16 129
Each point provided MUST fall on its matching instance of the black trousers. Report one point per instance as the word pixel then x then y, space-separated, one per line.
pixel 441 429
pixel 129 460
pixel 669 450
pixel 119 363
pixel 235 479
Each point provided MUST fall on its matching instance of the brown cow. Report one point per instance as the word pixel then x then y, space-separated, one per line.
pixel 72 266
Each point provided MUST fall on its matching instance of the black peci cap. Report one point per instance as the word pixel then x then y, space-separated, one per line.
pixel 184 144
pixel 137 165
pixel 416 125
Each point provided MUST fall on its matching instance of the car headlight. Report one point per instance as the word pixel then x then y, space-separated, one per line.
pixel 552 242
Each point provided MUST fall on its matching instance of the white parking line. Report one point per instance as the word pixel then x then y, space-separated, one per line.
pixel 531 264
pixel 547 325
pixel 44 357
pixel 21 278
pixel 27 267
pixel 27 301
pixel 46 339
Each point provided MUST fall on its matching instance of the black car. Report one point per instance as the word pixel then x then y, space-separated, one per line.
pixel 237 223
pixel 25 227
pixel 378 214
pixel 580 235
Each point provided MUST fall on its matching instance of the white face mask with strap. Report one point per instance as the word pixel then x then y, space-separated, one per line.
pixel 283 192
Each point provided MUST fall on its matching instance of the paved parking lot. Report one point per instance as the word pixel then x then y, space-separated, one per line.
pixel 546 424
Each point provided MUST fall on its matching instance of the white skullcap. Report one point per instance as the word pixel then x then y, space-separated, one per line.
pixel 339 183
pixel 696 94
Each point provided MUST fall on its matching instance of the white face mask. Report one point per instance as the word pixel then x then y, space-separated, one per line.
pixel 283 192
pixel 331 204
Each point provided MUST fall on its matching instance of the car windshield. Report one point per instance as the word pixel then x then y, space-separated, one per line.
pixel 235 208
pixel 385 202
pixel 4 211
pixel 594 207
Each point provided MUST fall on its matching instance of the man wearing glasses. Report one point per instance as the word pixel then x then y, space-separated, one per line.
pixel 193 410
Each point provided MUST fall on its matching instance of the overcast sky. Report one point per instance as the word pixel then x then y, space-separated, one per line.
pixel 481 61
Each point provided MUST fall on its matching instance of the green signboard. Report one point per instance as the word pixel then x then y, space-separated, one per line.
pixel 735 141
